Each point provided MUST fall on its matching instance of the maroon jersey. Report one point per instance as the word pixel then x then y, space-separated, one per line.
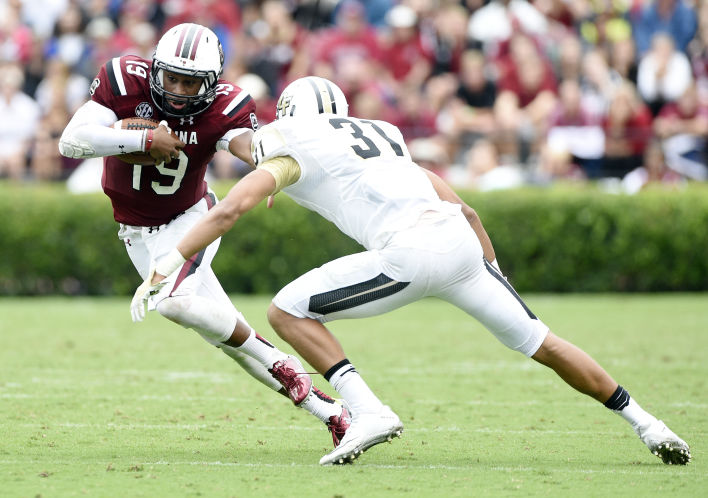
pixel 154 195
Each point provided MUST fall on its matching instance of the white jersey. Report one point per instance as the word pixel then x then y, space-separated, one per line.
pixel 354 172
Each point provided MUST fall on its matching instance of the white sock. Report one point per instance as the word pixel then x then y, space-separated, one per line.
pixel 252 367
pixel 636 416
pixel 321 405
pixel 347 381
pixel 625 406
pixel 261 350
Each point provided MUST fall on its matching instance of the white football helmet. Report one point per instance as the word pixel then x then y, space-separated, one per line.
pixel 191 50
pixel 310 96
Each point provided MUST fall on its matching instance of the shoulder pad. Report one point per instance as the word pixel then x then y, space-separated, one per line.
pixel 268 142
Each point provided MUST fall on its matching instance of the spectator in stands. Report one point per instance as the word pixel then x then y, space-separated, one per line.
pixel 403 48
pixel 131 13
pixel 15 37
pixel 627 129
pixel 374 11
pixel 604 22
pixel 471 110
pixel 485 170
pixel 683 128
pixel 285 47
pixel 675 17
pixel 556 165
pixel 623 59
pixel 527 96
pixel 447 39
pixel 575 137
pixel 598 83
pixel 68 41
pixel 569 62
pixel 40 15
pixel 19 116
pixel 371 101
pixel 652 172
pixel 61 89
pixel 664 73
pixel 349 42
pixel 45 163
pixel 413 115
pixel 100 45
pixel 698 52
pixel 143 38
pixel 499 19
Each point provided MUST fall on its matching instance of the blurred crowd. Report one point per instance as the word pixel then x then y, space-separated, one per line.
pixel 488 93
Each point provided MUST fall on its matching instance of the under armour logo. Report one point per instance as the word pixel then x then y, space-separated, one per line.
pixel 127 242
pixel 189 120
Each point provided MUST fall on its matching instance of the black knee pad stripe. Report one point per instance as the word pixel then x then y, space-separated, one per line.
pixel 508 286
pixel 355 295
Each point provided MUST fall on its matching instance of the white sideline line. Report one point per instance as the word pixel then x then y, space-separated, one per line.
pixel 662 471
pixel 315 428
pixel 442 402
pixel 280 428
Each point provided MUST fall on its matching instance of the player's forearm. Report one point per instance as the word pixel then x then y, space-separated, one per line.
pixel 240 146
pixel 210 228
pixel 88 140
pixel 90 134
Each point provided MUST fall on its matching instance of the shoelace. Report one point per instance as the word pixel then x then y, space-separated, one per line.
pixel 285 375
pixel 335 429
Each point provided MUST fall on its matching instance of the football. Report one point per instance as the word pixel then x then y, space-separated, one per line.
pixel 142 158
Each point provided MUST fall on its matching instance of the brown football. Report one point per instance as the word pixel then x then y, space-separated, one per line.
pixel 136 124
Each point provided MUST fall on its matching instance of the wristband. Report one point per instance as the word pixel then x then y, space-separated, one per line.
pixel 170 263
pixel 148 140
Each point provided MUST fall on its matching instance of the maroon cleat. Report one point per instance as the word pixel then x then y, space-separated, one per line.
pixel 338 425
pixel 293 378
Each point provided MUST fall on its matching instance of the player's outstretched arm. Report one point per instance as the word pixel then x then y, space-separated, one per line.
pixel 446 193
pixel 244 196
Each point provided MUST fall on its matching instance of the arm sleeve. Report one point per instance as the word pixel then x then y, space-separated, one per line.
pixel 223 142
pixel 90 134
pixel 284 169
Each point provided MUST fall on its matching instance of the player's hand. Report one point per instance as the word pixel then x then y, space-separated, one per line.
pixel 165 145
pixel 269 203
pixel 143 293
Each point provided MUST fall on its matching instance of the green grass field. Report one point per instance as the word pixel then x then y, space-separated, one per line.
pixel 94 405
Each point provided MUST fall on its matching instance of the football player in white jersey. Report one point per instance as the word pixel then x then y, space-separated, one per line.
pixel 420 240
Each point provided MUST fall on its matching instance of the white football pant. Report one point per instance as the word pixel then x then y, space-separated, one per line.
pixel 441 256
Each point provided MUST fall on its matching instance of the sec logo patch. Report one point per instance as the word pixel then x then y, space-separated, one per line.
pixel 144 110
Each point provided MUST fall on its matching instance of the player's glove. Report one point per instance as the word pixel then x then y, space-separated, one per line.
pixel 141 296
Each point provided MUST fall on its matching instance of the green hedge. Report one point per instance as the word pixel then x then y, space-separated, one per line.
pixel 550 240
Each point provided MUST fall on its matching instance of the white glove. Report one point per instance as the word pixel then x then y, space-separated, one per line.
pixel 141 296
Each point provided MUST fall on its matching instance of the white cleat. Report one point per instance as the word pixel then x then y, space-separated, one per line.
pixel 365 431
pixel 663 443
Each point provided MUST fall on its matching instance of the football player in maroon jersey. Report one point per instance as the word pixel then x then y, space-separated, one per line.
pixel 156 205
